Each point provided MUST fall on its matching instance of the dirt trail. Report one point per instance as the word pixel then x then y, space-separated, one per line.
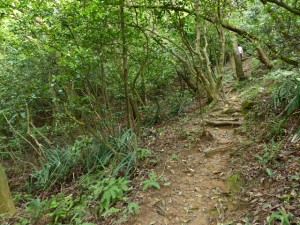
pixel 193 170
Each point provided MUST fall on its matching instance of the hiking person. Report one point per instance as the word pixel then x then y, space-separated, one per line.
pixel 240 51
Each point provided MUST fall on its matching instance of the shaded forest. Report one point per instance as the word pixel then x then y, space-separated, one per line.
pixel 88 87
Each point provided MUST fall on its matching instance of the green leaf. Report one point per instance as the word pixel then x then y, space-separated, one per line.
pixel 110 211
pixel 114 191
pixel 133 208
pixel 270 172
pixel 150 183
pixel 106 200
pixel 23 115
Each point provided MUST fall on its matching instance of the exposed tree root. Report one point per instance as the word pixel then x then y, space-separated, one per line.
pixel 218 123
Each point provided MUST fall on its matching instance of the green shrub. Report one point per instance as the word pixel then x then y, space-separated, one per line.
pixel 96 197
pixel 57 168
pixel 151 182
pixel 105 192
pixel 281 216
pixel 85 156
pixel 287 96
pixel 36 208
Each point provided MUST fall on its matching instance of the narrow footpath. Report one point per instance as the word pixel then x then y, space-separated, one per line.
pixel 193 168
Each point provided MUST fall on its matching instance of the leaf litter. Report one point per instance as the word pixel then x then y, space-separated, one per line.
pixel 195 168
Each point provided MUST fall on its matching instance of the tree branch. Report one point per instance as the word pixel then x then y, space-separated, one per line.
pixel 169 7
pixel 241 32
pixel 283 5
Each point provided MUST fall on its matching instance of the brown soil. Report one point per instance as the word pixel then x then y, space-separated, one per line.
pixel 193 169
pixel 197 170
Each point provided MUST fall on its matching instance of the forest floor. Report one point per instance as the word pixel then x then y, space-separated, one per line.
pixel 194 170
pixel 194 167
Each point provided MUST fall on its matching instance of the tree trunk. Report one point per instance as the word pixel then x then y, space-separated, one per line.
pixel 182 73
pixel 6 202
pixel 143 90
pixel 222 40
pixel 263 57
pixel 232 62
pixel 125 66
pixel 104 92
pixel 136 117
pixel 238 61
pixel 212 94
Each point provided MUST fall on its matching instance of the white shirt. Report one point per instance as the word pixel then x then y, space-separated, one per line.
pixel 240 49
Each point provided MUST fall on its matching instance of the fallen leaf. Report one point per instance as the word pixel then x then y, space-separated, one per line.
pixel 194 207
pixel 167 183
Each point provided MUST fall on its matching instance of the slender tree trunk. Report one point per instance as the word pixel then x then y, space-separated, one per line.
pixel 207 78
pixel 108 110
pixel 143 90
pixel 222 50
pixel 213 87
pixel 221 37
pixel 125 66
pixel 136 116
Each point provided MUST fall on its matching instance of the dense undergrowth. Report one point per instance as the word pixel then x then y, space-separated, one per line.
pixel 77 184
pixel 88 181
pixel 268 160
pixel 85 182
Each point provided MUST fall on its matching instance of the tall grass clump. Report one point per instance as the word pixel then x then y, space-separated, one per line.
pixel 114 156
pixel 287 97
pixel 286 100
